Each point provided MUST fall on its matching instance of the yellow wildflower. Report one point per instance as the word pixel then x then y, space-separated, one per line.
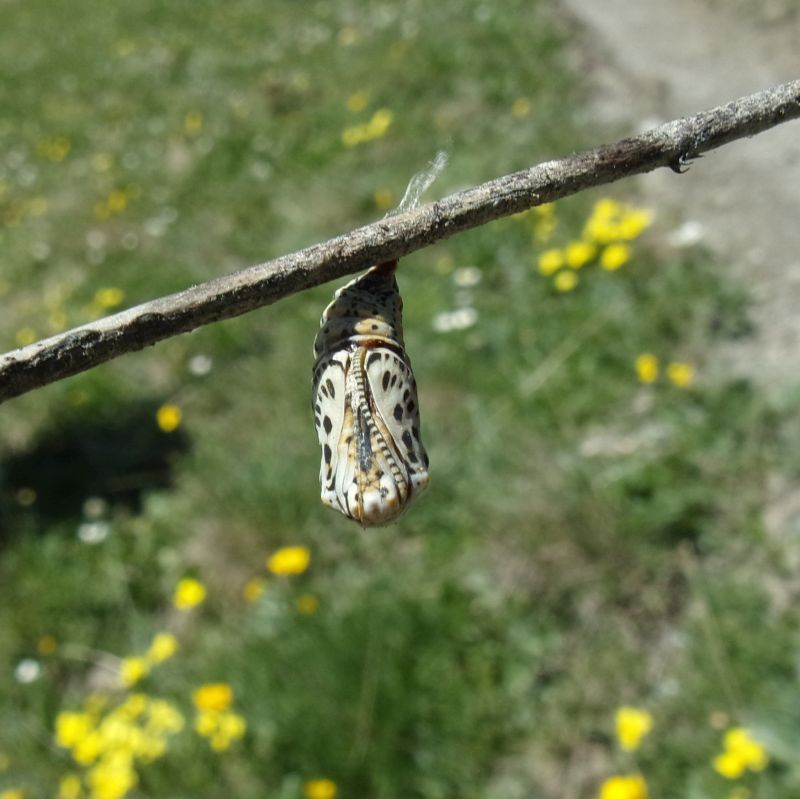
pixel 632 724
pixel 188 593
pixel 163 647
pixel 379 124
pixel 133 669
pixel 550 261
pixel 383 199
pixel 163 717
pixel 111 778
pixel 117 201
pixel 579 253
pixel 521 107
pixel 627 786
pixel 109 297
pixel 647 367
pixel 634 222
pixel 168 417
pixel 289 560
pixel 193 123
pixel 230 727
pixel 25 336
pixel 614 256
pixel 680 374
pixel 565 281
pixel 740 752
pixel 319 789
pixel 357 102
pixel 253 589
pixel 54 148
pixel 213 696
pixel 69 787
pixel 71 727
pixel 307 604
pixel 12 793
pixel 47 645
pixel 102 162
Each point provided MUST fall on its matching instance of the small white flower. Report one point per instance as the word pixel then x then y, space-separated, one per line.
pixel 27 671
pixel 200 365
pixel 688 234
pixel 459 319
pixel 467 276
pixel 95 507
pixel 93 532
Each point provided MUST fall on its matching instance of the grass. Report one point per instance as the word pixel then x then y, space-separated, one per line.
pixel 588 541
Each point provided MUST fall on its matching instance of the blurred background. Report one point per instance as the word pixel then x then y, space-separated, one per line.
pixel 597 595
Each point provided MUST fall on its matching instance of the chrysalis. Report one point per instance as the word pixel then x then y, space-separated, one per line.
pixel 365 403
pixel 365 396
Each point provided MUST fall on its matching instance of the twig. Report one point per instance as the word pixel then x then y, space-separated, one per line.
pixel 673 145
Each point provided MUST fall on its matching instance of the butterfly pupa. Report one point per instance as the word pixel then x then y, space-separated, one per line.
pixel 365 403
pixel 365 397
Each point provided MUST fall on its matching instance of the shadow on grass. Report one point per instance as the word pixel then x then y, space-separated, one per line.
pixel 116 454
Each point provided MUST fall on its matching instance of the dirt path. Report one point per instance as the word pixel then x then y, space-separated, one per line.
pixel 653 60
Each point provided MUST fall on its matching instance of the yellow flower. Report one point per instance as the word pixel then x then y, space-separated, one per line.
pixel 253 589
pixel 117 201
pixel 213 696
pixel 111 778
pixel 47 645
pixel 740 752
pixel 628 786
pixel 632 725
pixel 69 787
pixel 550 261
pixel 25 336
pixel 357 102
pixel 379 124
pixel 71 727
pixel 102 162
pixel 163 717
pixel 193 123
pixel 579 253
pixel 133 669
pixel 614 256
pixel 168 417
pixel 647 367
pixel 307 604
pixel 229 727
pixel 521 107
pixel 634 222
pixel 729 765
pixel 289 560
pixel 383 199
pixel 188 593
pixel 680 374
pixel 54 148
pixel 109 297
pixel 163 647
pixel 319 789
pixel 12 793
pixel 565 281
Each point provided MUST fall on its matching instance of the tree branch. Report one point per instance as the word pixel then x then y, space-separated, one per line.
pixel 673 145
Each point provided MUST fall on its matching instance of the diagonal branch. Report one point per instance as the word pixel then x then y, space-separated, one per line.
pixel 673 145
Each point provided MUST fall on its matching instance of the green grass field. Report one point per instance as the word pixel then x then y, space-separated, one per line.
pixel 596 534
